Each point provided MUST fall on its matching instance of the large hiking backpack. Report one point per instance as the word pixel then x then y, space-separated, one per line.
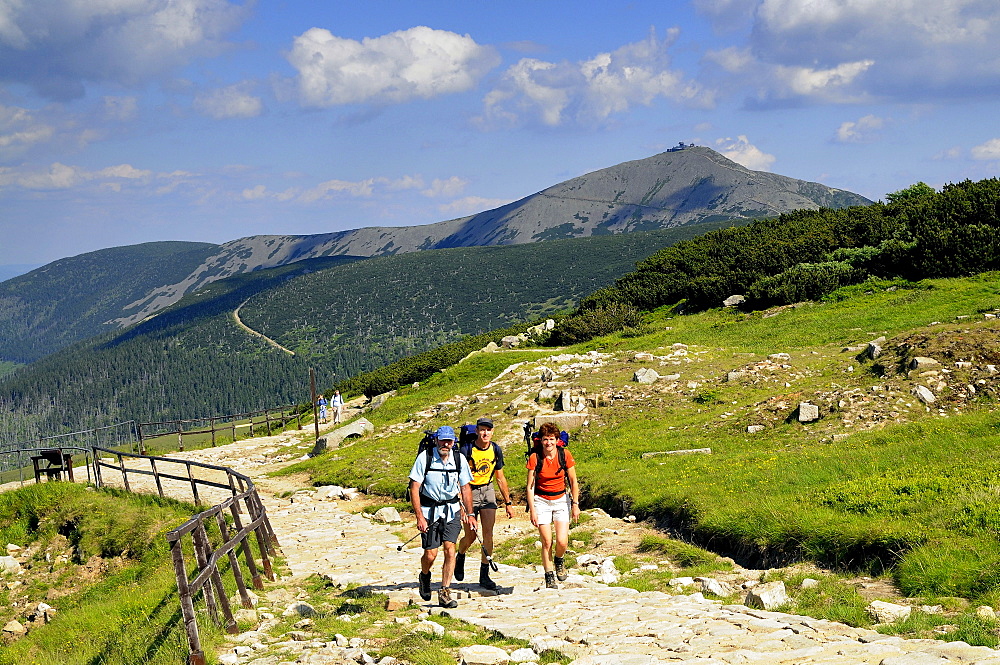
pixel 533 439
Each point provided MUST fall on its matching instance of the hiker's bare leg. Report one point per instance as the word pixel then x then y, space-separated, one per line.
pixel 449 564
pixel 562 538
pixel 468 538
pixel 427 560
pixel 487 518
pixel 545 534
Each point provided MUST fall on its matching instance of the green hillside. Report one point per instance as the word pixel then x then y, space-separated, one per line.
pixel 339 316
pixel 73 298
pixel 880 482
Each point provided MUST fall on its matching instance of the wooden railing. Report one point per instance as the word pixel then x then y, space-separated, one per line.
pixel 215 544
pixel 280 415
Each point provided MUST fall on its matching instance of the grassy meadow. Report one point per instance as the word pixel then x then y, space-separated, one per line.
pixel 913 496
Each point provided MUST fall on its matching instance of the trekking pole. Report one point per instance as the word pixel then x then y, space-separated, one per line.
pixel 400 548
pixel 489 559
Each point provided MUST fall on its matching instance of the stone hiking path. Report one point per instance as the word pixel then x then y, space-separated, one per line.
pixel 585 619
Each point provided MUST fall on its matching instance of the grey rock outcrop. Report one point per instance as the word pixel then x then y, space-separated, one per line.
pixel 808 412
pixel 767 596
pixel 646 375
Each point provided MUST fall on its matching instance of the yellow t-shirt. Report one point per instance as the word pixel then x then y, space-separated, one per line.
pixel 484 463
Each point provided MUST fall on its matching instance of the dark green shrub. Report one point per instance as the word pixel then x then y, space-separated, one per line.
pixel 806 281
pixel 590 323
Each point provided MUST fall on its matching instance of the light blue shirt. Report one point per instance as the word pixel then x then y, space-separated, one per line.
pixel 441 486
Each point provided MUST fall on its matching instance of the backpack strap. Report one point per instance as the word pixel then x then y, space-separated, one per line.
pixel 562 467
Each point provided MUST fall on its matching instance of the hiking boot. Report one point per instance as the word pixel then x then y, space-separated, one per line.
pixel 445 599
pixel 561 573
pixel 550 580
pixel 484 578
pixel 425 585
pixel 459 567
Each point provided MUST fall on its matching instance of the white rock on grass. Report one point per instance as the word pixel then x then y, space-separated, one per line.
pixel 884 612
pixel 523 655
pixel 924 394
pixel 482 654
pixel 646 376
pixel 808 412
pixel 9 564
pixel 429 627
pixel 388 515
pixel 714 586
pixel 767 596
pixel 609 574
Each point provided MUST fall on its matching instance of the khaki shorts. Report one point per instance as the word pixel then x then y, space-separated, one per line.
pixel 552 510
pixel 484 497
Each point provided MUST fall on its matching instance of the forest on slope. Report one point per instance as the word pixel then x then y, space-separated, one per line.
pixel 73 298
pixel 341 317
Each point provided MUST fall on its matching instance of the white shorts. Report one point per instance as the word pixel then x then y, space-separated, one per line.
pixel 552 510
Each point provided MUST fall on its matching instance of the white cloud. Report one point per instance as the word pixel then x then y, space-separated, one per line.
pixel 120 108
pixel 862 130
pixel 846 51
pixel 254 193
pixel 57 46
pixel 61 176
pixel 743 152
pixel 408 64
pixel 452 186
pixel 470 205
pixel 233 101
pixel 21 129
pixel 987 151
pixel 329 188
pixel 590 90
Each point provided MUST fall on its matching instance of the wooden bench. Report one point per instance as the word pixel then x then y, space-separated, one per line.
pixel 52 463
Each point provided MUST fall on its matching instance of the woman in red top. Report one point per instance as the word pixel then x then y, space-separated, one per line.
pixel 553 499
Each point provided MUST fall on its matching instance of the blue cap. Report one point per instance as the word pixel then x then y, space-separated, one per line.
pixel 445 432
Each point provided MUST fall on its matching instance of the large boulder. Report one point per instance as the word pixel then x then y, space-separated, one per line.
pixel 924 394
pixel 884 612
pixel 388 515
pixel 9 564
pixel 353 430
pixel 767 596
pixel 482 654
pixel 808 412
pixel 734 301
pixel 564 421
pixel 646 375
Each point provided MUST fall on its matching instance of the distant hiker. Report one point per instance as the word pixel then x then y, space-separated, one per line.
pixel 442 501
pixel 321 402
pixel 486 460
pixel 553 498
pixel 338 404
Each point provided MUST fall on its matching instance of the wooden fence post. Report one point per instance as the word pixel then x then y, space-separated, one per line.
pixel 234 562
pixel 156 476
pixel 215 580
pixel 121 464
pixel 197 656
pixel 180 437
pixel 212 425
pixel 194 485
pixel 142 444
pixel 267 419
pixel 258 583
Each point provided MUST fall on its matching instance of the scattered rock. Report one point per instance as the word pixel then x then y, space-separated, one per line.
pixel 510 342
pixel 767 596
pixel 809 583
pixel 9 564
pixel 388 515
pixel 884 612
pixel 646 375
pixel 808 412
pixel 300 609
pixel 429 627
pixel 482 654
pixel 734 301
pixel 753 429
pixel 986 612
pixel 921 362
pixel 924 394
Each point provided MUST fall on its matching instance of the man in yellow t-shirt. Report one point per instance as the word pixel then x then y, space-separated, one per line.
pixel 486 462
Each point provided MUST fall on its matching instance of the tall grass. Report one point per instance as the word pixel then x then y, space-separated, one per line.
pixel 128 614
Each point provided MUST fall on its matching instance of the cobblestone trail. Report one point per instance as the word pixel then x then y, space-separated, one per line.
pixel 592 622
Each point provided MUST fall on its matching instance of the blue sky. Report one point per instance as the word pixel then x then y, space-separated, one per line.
pixel 126 121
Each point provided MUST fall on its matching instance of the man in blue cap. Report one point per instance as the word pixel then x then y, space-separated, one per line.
pixel 442 501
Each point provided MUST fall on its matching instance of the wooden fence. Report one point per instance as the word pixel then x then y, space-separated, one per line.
pixel 279 415
pixel 216 545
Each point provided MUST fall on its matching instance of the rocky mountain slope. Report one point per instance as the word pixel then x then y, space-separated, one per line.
pixel 675 188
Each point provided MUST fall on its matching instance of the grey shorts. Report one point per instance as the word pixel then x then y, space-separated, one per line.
pixel 484 497
pixel 439 532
